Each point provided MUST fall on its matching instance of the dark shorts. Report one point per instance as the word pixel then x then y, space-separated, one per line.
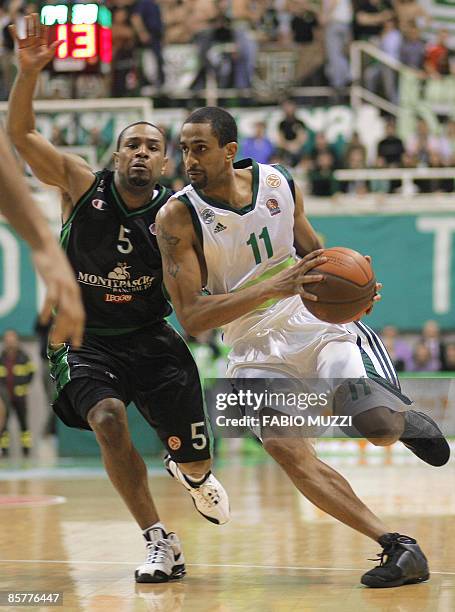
pixel 151 367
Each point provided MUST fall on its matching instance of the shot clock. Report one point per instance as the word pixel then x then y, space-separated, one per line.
pixel 85 30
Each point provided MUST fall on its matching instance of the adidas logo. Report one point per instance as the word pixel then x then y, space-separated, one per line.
pixel 219 227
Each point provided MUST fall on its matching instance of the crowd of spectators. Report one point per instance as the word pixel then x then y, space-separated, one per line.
pixel 427 353
pixel 319 30
pixel 243 26
pixel 315 160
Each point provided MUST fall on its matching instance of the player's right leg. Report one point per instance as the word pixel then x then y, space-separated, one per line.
pixel 416 430
pixel 168 393
pixel 93 396
pixel 330 491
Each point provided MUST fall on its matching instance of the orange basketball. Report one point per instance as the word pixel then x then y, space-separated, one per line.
pixel 347 289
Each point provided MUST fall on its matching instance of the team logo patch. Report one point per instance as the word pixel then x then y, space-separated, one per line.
pixel 219 227
pixel 273 180
pixel 174 443
pixel 118 299
pixel 99 204
pixel 152 229
pixel 120 272
pixel 273 206
pixel 208 216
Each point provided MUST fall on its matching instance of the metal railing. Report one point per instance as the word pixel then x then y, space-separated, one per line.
pixel 422 90
pixel 405 175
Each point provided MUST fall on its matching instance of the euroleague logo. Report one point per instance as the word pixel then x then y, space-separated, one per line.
pixel 273 180
pixel 174 442
pixel 273 206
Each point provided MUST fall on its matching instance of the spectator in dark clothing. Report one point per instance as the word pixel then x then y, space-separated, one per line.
pixel 354 143
pixel 146 19
pixel 431 338
pixel 356 161
pixel 293 134
pixel 303 23
pixel 220 31
pixel 412 51
pixel 321 145
pixel 258 146
pixel 391 147
pixel 370 18
pixel 124 74
pixel 323 182
pixel 449 365
pixel 16 373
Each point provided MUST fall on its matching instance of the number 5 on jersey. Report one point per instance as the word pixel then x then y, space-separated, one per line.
pixel 124 244
pixel 253 243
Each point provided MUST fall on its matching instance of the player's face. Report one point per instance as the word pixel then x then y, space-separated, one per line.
pixel 205 161
pixel 140 160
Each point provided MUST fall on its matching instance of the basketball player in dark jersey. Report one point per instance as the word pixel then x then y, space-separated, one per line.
pixel 129 353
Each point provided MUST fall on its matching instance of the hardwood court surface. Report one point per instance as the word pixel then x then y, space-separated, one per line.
pixel 278 553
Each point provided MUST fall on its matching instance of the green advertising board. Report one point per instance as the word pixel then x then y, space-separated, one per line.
pixel 412 256
pixel 19 286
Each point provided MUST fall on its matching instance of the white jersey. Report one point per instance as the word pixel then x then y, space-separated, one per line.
pixel 244 246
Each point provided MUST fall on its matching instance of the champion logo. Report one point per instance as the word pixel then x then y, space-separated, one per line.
pixel 219 227
pixel 152 229
pixel 99 204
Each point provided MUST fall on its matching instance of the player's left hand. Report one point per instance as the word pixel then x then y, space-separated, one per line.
pixel 377 296
pixel 63 295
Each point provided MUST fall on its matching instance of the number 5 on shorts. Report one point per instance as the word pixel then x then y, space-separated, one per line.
pixel 200 437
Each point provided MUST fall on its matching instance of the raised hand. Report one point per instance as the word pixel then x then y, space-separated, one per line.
pixel 33 51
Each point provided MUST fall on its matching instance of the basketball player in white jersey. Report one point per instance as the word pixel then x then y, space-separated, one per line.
pixel 237 231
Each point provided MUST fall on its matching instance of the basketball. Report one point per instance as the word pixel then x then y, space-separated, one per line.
pixel 347 289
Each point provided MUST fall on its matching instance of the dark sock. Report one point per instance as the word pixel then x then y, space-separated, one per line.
pixel 193 482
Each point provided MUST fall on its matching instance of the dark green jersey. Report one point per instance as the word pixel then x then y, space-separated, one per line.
pixel 115 256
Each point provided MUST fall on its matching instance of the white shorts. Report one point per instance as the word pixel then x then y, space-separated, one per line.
pixel 304 349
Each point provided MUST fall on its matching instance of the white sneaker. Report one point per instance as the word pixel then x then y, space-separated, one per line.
pixel 164 558
pixel 209 497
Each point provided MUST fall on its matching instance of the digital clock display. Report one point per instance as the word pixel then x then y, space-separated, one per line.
pixel 86 34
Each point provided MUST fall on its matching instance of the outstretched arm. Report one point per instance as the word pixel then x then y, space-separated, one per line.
pixel 69 172
pixel 183 278
pixel 62 290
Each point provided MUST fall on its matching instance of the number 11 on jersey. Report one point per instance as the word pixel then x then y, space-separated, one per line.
pixel 253 243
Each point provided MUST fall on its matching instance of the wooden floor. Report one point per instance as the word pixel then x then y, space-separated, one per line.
pixel 277 554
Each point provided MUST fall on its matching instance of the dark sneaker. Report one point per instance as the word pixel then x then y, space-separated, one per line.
pixel 424 438
pixel 405 563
